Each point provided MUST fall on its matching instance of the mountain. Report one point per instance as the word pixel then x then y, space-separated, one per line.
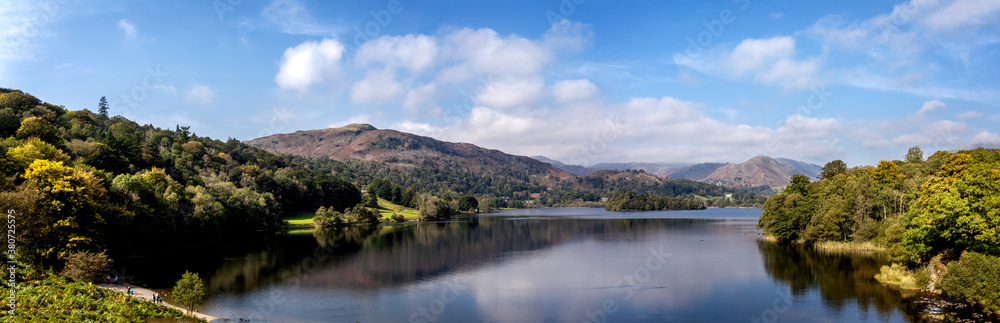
pixel 758 171
pixel 974 146
pixel 572 169
pixel 655 169
pixel 698 172
pixel 363 142
pixel 800 167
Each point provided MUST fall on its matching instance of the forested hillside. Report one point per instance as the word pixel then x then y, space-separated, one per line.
pixel 943 210
pixel 505 186
pixel 84 181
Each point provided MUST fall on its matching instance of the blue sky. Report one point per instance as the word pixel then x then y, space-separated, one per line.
pixel 578 81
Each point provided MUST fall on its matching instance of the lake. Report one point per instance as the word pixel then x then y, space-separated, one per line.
pixel 548 265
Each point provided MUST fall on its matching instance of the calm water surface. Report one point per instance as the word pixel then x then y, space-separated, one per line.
pixel 550 265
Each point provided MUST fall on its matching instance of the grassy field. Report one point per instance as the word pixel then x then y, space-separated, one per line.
pixel 386 209
pixel 301 218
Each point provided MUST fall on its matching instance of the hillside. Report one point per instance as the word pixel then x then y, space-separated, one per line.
pixel 133 183
pixel 757 171
pixel 362 142
pixel 363 154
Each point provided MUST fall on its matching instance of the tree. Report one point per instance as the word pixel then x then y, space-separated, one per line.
pixel 467 203
pixel 190 291
pixel 370 200
pixel 887 174
pixel 68 205
pixel 35 127
pixel 102 108
pixel 833 168
pixel 87 266
pixel 914 155
pixel 799 184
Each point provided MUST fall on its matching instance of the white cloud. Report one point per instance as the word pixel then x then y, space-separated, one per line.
pixel 567 36
pixel 414 52
pixel 939 134
pixel 509 93
pixel 870 139
pixel 969 115
pixel 167 89
pixel 931 106
pixel 376 87
pixel 483 52
pixel 201 95
pixel 292 17
pixel 986 137
pixel 903 49
pixel 129 28
pixel 422 99
pixel 309 63
pixel 767 61
pixel 569 91
pixel 648 129
pixel 962 13
pixel 13 19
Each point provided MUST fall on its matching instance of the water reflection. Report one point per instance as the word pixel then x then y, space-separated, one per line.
pixel 559 265
pixel 842 278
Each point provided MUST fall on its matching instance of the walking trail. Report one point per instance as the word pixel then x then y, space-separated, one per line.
pixel 147 295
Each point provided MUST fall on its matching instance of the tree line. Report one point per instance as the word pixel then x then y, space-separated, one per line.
pixel 939 210
pixel 83 181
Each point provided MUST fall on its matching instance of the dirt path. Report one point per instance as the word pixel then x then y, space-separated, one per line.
pixel 147 295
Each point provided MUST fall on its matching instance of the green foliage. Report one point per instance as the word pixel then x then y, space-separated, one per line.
pixel 102 182
pixel 190 291
pixel 467 203
pixel 506 186
pixel 959 209
pixel 87 266
pixel 67 210
pixel 631 201
pixel 976 278
pixel 53 298
pixel 36 127
pixel 914 155
pixel 434 209
pixel 833 168
pixel 369 200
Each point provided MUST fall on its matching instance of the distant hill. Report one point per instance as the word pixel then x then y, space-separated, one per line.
pixel 974 146
pixel 362 153
pixel 572 169
pixel 699 172
pixel 363 142
pixel 758 171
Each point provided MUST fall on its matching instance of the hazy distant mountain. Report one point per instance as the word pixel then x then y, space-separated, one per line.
pixel 758 171
pixel 697 172
pixel 572 169
pixel 979 145
pixel 655 169
pixel 800 167
pixel 399 149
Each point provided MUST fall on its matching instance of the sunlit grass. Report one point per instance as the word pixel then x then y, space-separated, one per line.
pixel 301 218
pixel 849 246
pixel 387 209
pixel 897 275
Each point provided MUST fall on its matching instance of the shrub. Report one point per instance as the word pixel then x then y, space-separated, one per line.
pixel 87 266
pixel 975 277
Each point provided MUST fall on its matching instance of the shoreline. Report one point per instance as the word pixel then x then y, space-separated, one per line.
pixel 146 294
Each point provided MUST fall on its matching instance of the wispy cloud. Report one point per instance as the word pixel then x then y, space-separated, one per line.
pixel 292 17
pixel 200 95
pixel 128 28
